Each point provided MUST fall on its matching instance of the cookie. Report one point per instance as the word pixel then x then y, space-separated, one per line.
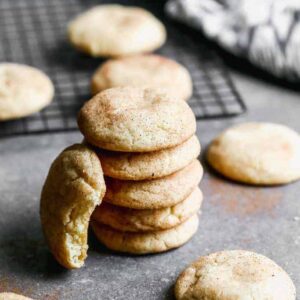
pixel 149 165
pixel 12 296
pixel 132 119
pixel 145 71
pixel 156 193
pixel 257 153
pixel 73 188
pixel 234 275
pixel 133 220
pixel 115 30
pixel 150 242
pixel 24 90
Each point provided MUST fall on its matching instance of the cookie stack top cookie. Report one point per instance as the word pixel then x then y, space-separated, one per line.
pixel 133 119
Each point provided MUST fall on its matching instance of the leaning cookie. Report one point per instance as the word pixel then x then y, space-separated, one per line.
pixel 150 242
pixel 132 119
pixel 257 153
pixel 134 220
pixel 73 188
pixel 24 90
pixel 156 193
pixel 115 30
pixel 149 165
pixel 12 296
pixel 145 71
pixel 234 275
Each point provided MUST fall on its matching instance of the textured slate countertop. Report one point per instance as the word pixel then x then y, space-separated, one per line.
pixel 266 220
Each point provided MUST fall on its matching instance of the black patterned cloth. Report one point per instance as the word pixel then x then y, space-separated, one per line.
pixel 266 32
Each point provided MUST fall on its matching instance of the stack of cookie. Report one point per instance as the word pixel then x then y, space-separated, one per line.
pixel 148 151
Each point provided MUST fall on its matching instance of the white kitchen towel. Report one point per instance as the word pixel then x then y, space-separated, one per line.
pixel 266 32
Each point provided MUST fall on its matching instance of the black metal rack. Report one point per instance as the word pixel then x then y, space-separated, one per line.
pixel 33 32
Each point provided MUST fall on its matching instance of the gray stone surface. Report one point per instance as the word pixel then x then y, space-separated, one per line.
pixel 266 220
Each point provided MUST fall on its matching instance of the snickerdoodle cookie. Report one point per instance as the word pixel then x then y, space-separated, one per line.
pixel 12 296
pixel 145 71
pixel 257 153
pixel 234 275
pixel 115 30
pixel 133 220
pixel 156 193
pixel 24 90
pixel 73 188
pixel 132 119
pixel 149 165
pixel 147 242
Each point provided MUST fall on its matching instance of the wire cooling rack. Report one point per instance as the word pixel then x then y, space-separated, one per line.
pixel 33 32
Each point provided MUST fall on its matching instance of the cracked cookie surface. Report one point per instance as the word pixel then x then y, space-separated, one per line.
pixel 133 220
pixel 150 242
pixel 116 30
pixel 149 165
pixel 73 188
pixel 257 153
pixel 234 275
pixel 135 120
pixel 145 71
pixel 156 193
